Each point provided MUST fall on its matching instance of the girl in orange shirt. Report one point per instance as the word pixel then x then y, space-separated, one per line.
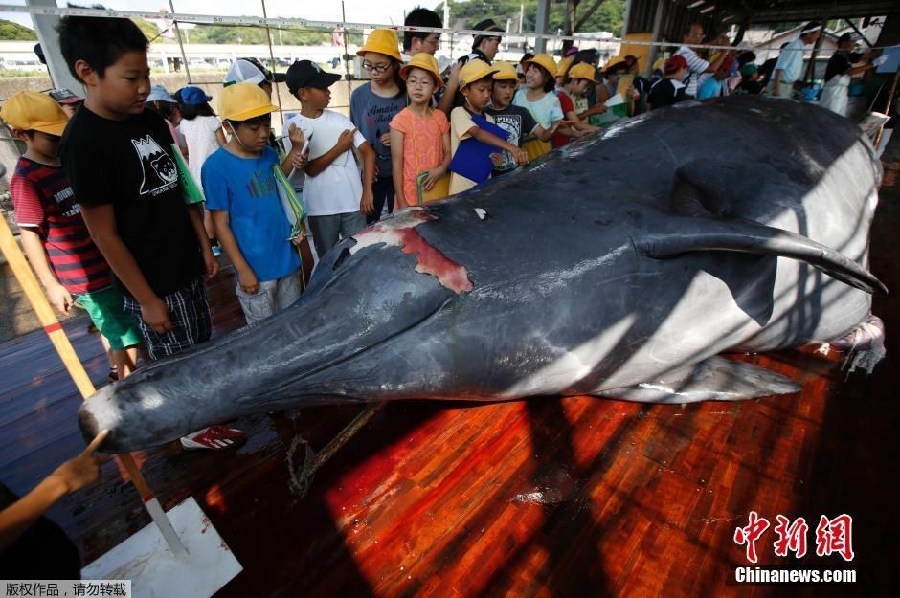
pixel 420 137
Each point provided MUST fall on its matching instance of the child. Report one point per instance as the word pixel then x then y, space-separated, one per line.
pixel 335 197
pixel 714 86
pixel 68 101
pixel 538 97
pixel 203 134
pixel 475 84
pixel 242 196
pixel 516 120
pixel 162 102
pixel 132 205
pixel 420 135
pixel 372 107
pixel 54 236
pixel 575 82
pixel 669 89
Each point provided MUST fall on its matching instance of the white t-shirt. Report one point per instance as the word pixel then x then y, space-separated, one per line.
pixel 200 135
pixel 338 188
pixel 696 66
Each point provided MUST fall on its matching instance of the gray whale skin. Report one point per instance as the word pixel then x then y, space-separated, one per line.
pixel 619 267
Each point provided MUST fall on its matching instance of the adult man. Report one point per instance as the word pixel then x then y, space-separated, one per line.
pixel 421 42
pixel 789 67
pixel 838 73
pixel 697 66
pixel 485 46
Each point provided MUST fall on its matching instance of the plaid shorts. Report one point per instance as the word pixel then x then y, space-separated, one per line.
pixel 190 317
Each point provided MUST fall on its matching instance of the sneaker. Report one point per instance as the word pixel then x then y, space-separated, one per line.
pixel 113 375
pixel 213 438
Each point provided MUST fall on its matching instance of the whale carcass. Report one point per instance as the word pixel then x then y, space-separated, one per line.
pixel 619 268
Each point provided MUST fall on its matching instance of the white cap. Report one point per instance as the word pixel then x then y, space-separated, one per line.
pixel 250 70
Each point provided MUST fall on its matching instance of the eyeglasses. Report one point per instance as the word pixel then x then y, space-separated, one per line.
pixel 434 41
pixel 376 68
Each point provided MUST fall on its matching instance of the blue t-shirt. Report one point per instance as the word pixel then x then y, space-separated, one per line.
pixel 247 190
pixel 372 115
pixel 710 88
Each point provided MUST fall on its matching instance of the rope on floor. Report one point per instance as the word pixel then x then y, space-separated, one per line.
pixel 300 478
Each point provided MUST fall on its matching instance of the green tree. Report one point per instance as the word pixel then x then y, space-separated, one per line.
pixel 10 31
pixel 218 34
pixel 150 30
pixel 590 15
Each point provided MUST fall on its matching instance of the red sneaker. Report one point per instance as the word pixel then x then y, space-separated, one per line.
pixel 213 438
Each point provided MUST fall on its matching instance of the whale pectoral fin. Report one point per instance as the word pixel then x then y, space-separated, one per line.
pixel 685 234
pixel 715 379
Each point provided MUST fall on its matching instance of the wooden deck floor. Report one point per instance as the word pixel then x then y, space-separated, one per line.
pixel 568 497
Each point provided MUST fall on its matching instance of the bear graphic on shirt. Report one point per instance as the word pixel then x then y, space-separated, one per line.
pixel 160 172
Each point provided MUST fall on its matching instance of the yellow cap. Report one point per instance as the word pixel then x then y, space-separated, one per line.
pixel 613 61
pixel 543 60
pixel 582 70
pixel 381 41
pixel 32 111
pixel 473 70
pixel 243 101
pixel 564 65
pixel 505 71
pixel 426 62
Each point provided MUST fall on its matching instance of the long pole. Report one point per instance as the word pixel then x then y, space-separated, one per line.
pixel 187 68
pixel 23 273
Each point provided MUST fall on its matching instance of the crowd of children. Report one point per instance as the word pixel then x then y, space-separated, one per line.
pixel 131 250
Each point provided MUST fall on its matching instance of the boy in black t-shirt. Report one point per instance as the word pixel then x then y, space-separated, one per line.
pixel 118 158
pixel 516 120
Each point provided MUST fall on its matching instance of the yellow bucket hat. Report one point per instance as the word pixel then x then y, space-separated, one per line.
pixel 381 41
pixel 243 101
pixel 582 70
pixel 423 61
pixel 614 60
pixel 505 71
pixel 564 65
pixel 473 70
pixel 32 111
pixel 544 61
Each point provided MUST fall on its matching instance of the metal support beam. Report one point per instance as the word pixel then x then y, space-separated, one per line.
pixel 45 27
pixel 540 25
pixel 657 27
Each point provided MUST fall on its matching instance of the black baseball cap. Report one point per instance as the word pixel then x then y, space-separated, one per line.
pixel 306 73
pixel 488 26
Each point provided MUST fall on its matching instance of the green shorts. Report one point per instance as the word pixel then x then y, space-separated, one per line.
pixel 106 308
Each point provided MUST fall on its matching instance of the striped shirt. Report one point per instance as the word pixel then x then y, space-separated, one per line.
pixel 43 200
pixel 696 66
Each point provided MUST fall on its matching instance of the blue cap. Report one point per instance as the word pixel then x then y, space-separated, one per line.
pixel 159 93
pixel 193 96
